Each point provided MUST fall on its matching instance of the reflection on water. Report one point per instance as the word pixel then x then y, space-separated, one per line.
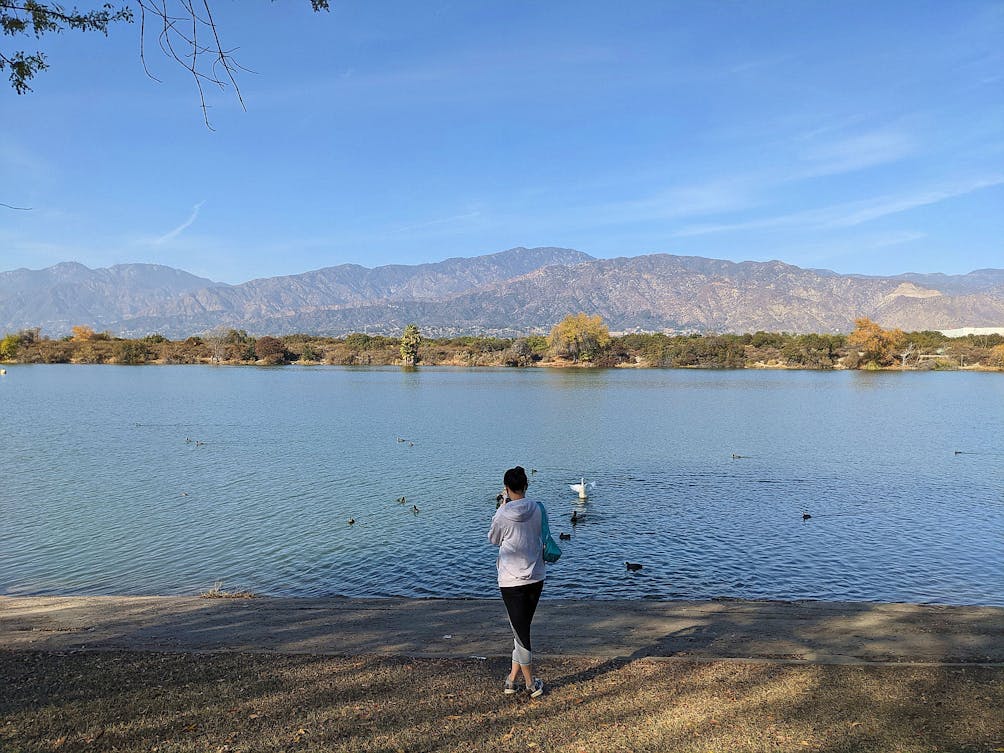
pixel 701 476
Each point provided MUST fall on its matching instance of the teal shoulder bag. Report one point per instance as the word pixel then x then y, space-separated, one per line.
pixel 552 552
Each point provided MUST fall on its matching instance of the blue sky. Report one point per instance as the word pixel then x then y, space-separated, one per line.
pixel 863 137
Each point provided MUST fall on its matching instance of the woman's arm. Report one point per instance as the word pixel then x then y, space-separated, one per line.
pixel 495 531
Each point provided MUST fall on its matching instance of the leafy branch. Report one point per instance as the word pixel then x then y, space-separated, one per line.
pixel 186 33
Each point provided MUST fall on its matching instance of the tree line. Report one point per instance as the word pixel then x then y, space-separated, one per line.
pixel 578 340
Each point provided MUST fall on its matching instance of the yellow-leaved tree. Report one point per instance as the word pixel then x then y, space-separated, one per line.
pixel 82 333
pixel 878 346
pixel 579 336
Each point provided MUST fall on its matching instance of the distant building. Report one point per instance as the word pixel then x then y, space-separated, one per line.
pixel 963 331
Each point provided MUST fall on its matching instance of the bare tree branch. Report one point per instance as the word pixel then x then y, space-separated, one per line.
pixel 182 30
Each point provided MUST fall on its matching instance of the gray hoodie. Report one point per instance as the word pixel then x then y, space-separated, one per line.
pixel 515 530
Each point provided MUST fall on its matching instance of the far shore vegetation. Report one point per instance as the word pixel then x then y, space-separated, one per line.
pixel 578 340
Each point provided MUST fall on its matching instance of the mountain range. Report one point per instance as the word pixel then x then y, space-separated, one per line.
pixel 512 292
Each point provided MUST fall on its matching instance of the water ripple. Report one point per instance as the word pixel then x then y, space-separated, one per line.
pixel 166 480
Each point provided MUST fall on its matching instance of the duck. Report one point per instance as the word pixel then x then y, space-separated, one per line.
pixel 564 536
pixel 576 517
pixel 402 500
pixel 805 516
pixel 414 509
pixel 352 521
pixel 633 566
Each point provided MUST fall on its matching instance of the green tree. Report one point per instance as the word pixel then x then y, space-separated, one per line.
pixel 926 341
pixel 131 352
pixel 237 337
pixel 410 341
pixel 358 341
pixel 30 18
pixel 812 350
pixel 579 336
pixel 762 339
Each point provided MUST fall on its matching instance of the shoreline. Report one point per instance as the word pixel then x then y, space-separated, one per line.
pixel 187 675
pixel 773 631
pixel 556 365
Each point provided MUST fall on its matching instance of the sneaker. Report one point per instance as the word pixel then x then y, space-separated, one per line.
pixel 510 687
pixel 538 688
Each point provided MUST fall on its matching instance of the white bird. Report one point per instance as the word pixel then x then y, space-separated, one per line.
pixel 580 488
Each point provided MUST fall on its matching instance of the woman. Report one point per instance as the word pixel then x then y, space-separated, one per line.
pixel 516 531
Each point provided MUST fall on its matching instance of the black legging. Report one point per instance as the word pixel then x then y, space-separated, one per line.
pixel 521 603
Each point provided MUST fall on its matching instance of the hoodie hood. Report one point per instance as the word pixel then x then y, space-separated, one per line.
pixel 518 510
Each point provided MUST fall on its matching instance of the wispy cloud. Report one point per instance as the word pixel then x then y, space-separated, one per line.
pixel 857 213
pixel 842 147
pixel 442 221
pixel 864 150
pixel 700 199
pixel 895 239
pixel 172 234
pixel 850 214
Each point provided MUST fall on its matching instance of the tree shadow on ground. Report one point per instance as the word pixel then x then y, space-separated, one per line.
pixel 261 688
pixel 233 701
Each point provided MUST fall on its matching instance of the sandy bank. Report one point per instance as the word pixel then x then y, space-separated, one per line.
pixel 818 632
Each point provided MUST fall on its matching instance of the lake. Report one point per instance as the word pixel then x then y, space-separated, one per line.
pixel 168 479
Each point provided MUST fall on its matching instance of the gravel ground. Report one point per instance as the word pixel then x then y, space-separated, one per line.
pixel 221 702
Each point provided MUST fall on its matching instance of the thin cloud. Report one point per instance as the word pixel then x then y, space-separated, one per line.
pixel 857 153
pixel 895 239
pixel 849 214
pixel 712 197
pixel 436 223
pixel 172 234
pixel 745 190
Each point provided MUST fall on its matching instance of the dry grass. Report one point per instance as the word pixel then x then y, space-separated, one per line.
pixel 218 592
pixel 250 702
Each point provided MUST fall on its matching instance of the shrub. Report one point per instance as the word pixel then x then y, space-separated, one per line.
pixel 9 347
pixel 270 349
pixel 131 352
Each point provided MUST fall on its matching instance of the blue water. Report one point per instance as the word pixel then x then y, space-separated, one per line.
pixel 100 493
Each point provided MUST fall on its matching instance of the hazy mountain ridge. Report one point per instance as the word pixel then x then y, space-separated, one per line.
pixel 58 297
pixel 510 292
pixel 354 285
